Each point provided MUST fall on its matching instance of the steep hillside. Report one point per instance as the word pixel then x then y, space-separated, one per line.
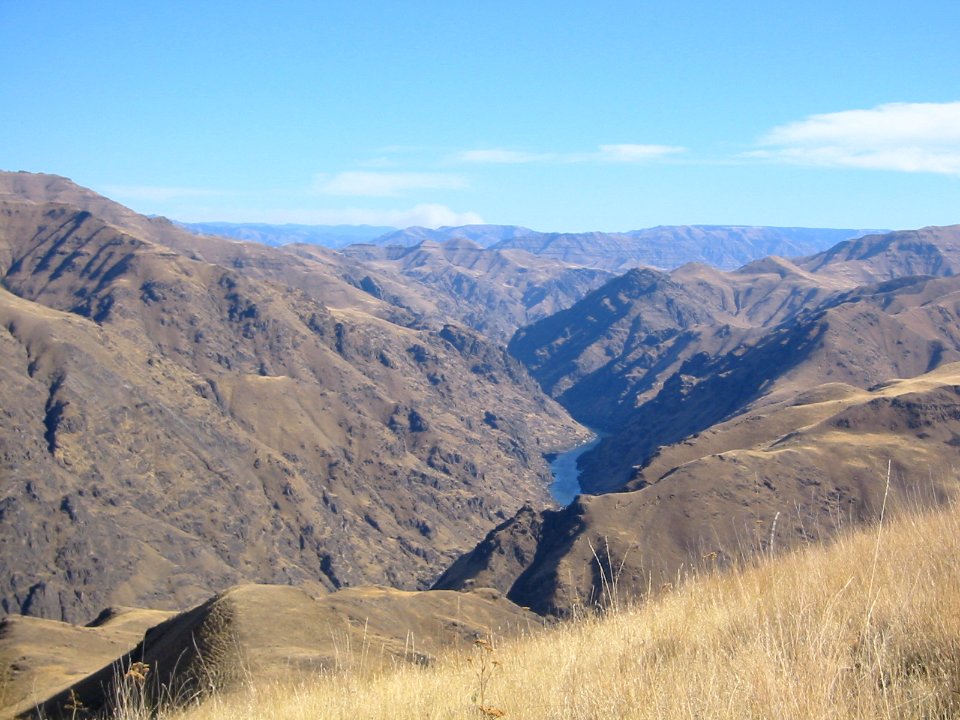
pixel 615 349
pixel 40 658
pixel 859 339
pixel 172 426
pixel 787 473
pixel 728 398
pixel 427 285
pixel 45 188
pixel 929 251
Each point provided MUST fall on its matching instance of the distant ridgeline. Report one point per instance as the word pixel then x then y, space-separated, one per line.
pixel 333 236
pixel 666 247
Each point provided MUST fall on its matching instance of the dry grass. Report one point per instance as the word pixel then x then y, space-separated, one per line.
pixel 866 628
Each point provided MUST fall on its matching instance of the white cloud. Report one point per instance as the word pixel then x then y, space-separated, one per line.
pixel 907 137
pixel 384 184
pixel 152 193
pixel 497 156
pixel 625 153
pixel 636 153
pixel 426 215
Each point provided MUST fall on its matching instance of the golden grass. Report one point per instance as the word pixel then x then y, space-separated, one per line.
pixel 868 627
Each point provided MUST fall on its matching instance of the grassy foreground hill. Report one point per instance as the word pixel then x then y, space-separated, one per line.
pixel 867 627
pixel 50 669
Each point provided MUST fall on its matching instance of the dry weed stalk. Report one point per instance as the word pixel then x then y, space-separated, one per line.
pixel 609 578
pixel 74 705
pixel 484 664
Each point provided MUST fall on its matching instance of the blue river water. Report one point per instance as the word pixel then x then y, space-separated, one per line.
pixel 566 476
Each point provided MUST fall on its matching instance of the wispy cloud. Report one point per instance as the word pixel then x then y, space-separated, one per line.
pixel 906 137
pixel 624 153
pixel 153 193
pixel 384 184
pixel 636 153
pixel 499 156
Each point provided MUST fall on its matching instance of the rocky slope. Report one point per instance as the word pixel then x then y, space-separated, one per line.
pixel 929 251
pixel 172 425
pixel 428 285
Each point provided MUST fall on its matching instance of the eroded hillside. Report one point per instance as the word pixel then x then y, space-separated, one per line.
pixel 172 426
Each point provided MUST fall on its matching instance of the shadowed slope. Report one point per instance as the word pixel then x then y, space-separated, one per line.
pixel 39 658
pixel 653 357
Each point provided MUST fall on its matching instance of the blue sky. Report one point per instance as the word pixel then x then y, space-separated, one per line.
pixel 560 116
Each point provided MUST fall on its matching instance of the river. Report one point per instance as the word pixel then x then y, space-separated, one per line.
pixel 566 476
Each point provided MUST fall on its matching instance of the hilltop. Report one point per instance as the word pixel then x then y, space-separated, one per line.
pixel 269 632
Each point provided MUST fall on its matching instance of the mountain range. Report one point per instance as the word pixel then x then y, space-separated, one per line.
pixel 764 407
pixel 199 433
pixel 664 247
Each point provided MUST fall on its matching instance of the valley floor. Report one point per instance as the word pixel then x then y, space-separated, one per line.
pixel 868 627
